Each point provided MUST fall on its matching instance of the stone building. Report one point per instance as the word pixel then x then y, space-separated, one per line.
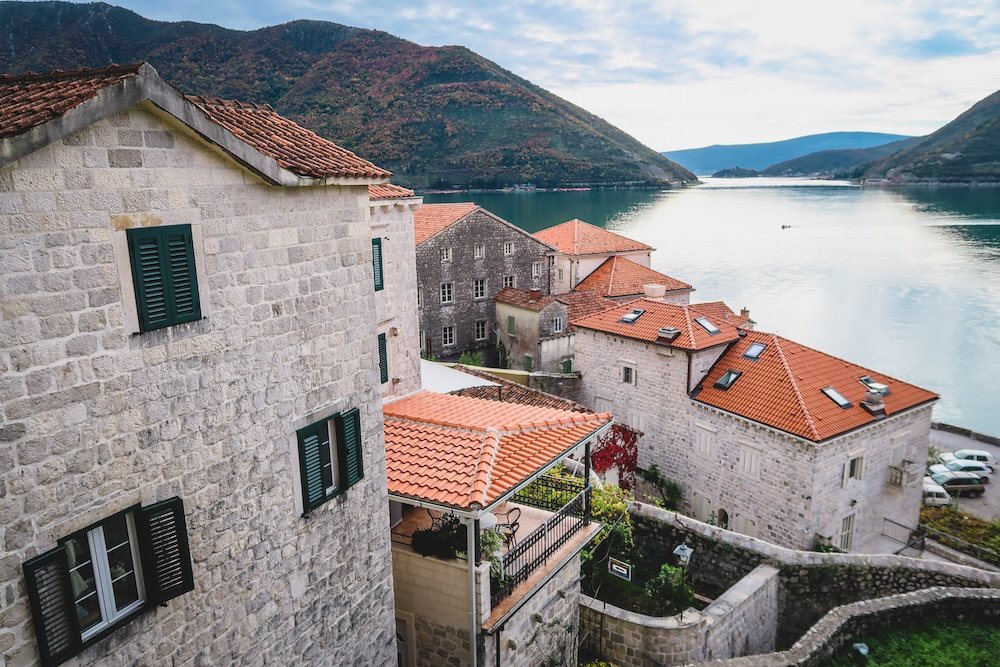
pixel 765 436
pixel 535 329
pixel 465 255
pixel 192 463
pixel 621 279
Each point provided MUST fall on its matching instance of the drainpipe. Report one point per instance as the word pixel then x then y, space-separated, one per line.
pixel 586 479
pixel 472 557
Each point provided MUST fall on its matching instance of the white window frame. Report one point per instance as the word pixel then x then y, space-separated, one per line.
pixel 750 459
pixel 561 273
pixel 847 532
pixel 851 470
pixel 448 332
pixel 510 281
pixel 486 331
pixel 446 254
pixel 602 405
pixel 479 251
pixel 103 579
pixel 704 440
pixel 508 248
pixel 558 324
pixel 448 289
pixel 536 269
pixel 478 293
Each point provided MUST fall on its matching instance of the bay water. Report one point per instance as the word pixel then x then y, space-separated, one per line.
pixel 904 281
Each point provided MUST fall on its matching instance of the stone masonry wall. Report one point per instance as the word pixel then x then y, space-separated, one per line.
pixel 463 269
pixel 95 420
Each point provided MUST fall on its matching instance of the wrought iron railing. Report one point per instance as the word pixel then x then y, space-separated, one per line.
pixel 549 493
pixel 530 553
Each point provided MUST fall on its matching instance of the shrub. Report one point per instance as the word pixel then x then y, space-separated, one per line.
pixel 471 359
pixel 667 593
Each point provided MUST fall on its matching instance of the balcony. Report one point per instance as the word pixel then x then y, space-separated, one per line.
pixel 903 475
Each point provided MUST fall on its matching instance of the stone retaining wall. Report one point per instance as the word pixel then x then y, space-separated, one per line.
pixel 971 435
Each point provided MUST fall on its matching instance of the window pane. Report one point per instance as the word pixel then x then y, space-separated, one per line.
pixel 126 591
pixel 88 611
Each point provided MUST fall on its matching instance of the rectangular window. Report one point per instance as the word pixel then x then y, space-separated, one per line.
pixel 479 289
pixel 377 263
pixel 508 248
pixel 446 254
pixel 707 325
pixel 508 281
pixel 383 358
pixel 511 325
pixel 628 375
pixel 847 533
pixel 448 336
pixel 164 276
pixel 420 295
pixel 836 397
pixel 479 251
pixel 447 292
pixel 536 269
pixel 750 462
pixel 330 457
pixel 97 579
pixel 560 274
pixel 527 362
pixel 558 324
pixel 567 365
pixel 704 441
pixel 854 468
pixel 480 329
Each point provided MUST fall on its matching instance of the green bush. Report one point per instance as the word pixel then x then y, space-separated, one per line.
pixel 667 593
pixel 937 643
pixel 471 359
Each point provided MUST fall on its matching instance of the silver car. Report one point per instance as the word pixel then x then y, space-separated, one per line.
pixel 963 465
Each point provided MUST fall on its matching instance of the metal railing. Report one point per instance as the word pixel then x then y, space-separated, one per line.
pixel 958 544
pixel 530 553
pixel 910 538
pixel 549 493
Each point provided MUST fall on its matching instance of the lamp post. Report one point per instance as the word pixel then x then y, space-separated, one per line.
pixel 683 553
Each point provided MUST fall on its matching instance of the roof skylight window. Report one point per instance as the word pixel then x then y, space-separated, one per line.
pixel 755 350
pixel 728 379
pixel 836 397
pixel 874 386
pixel 632 316
pixel 707 325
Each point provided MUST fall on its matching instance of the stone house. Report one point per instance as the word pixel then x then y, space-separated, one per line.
pixel 468 466
pixel 535 329
pixel 766 436
pixel 465 255
pixel 623 280
pixel 192 464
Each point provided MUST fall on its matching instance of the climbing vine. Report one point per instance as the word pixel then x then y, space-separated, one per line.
pixel 618 448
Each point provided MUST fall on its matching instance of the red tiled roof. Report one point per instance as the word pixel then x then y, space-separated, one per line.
pixel 388 191
pixel 583 304
pixel 522 298
pixel 659 315
pixel 782 388
pixel 512 392
pixel 618 276
pixel 429 219
pixel 717 310
pixel 30 100
pixel 293 147
pixel 459 451
pixel 576 237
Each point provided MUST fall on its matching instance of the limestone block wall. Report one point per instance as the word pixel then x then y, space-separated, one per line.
pixel 554 350
pixel 95 420
pixel 525 338
pixel 396 304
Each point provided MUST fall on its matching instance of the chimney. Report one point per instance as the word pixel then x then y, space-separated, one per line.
pixel 745 313
pixel 874 404
pixel 666 335
pixel 654 292
pixel 535 294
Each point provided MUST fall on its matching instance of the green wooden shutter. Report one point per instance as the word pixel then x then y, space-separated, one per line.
pixel 377 264
pixel 52 610
pixel 312 440
pixel 163 548
pixel 511 325
pixel 164 276
pixel 383 358
pixel 352 454
pixel 567 366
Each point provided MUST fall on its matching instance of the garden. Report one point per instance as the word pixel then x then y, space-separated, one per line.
pixel 951 643
pixel 976 537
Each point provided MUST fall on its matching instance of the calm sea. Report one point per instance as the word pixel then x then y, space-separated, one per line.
pixel 906 282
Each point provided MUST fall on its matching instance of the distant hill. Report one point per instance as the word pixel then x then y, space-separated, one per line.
pixel 711 159
pixel 433 115
pixel 966 150
pixel 841 162
pixel 736 172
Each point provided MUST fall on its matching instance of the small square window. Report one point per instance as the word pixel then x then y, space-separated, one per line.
pixel 479 251
pixel 448 336
pixel 481 330
pixel 479 289
pixel 628 375
pixel 557 324
pixel 446 254
pixel 508 281
pixel 508 248
pixel 447 292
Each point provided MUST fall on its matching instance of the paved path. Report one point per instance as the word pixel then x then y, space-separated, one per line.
pixel 986 506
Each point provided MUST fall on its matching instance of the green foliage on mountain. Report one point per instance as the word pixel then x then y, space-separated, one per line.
pixel 966 150
pixel 835 163
pixel 433 115
pixel 736 172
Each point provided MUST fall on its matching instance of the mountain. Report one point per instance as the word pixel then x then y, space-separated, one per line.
pixel 710 159
pixel 433 115
pixel 966 150
pixel 842 162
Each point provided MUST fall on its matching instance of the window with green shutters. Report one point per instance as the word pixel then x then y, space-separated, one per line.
pixel 511 325
pixel 383 358
pixel 377 264
pixel 330 457
pixel 164 276
pixel 99 578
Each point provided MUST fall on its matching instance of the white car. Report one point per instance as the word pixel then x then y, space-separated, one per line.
pixel 985 458
pixel 963 465
pixel 934 494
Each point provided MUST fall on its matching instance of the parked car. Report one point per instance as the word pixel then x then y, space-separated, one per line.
pixel 959 483
pixel 963 465
pixel 935 495
pixel 970 455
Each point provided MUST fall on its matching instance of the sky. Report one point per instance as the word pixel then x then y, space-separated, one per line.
pixel 689 74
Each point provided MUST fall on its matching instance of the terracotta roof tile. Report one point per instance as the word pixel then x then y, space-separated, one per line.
pixel 659 315
pixel 388 191
pixel 522 298
pixel 619 276
pixel 29 100
pixel 459 451
pixel 718 310
pixel 576 237
pixel 430 219
pixel 782 388
pixel 582 304
pixel 293 147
